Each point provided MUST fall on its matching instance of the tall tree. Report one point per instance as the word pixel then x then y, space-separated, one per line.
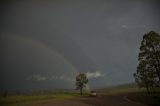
pixel 148 70
pixel 81 81
pixel 150 49
pixel 145 76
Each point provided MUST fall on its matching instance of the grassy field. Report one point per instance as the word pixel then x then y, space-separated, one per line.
pixel 136 94
pixel 131 91
pixel 23 100
pixel 144 98
pixel 128 88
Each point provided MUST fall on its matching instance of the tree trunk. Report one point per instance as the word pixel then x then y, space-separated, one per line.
pixel 81 91
pixel 157 71
pixel 148 90
pixel 147 87
pixel 153 89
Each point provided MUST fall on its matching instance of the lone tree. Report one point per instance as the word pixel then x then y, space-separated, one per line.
pixel 148 70
pixel 81 81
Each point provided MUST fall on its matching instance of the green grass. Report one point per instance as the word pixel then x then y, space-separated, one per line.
pixel 121 89
pixel 23 100
pixel 136 94
pixel 144 98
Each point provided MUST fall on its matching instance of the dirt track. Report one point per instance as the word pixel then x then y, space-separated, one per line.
pixel 102 100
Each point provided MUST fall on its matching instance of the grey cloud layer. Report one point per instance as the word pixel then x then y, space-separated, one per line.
pixel 88 35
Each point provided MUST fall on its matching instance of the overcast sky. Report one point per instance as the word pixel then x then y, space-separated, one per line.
pixel 45 44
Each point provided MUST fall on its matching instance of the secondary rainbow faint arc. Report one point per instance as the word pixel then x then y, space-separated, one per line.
pixel 36 43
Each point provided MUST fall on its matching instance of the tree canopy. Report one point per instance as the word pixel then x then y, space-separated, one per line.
pixel 148 69
pixel 81 81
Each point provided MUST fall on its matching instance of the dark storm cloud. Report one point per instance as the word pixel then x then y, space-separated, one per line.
pixel 99 36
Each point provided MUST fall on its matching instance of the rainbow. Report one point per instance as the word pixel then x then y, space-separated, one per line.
pixel 41 45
